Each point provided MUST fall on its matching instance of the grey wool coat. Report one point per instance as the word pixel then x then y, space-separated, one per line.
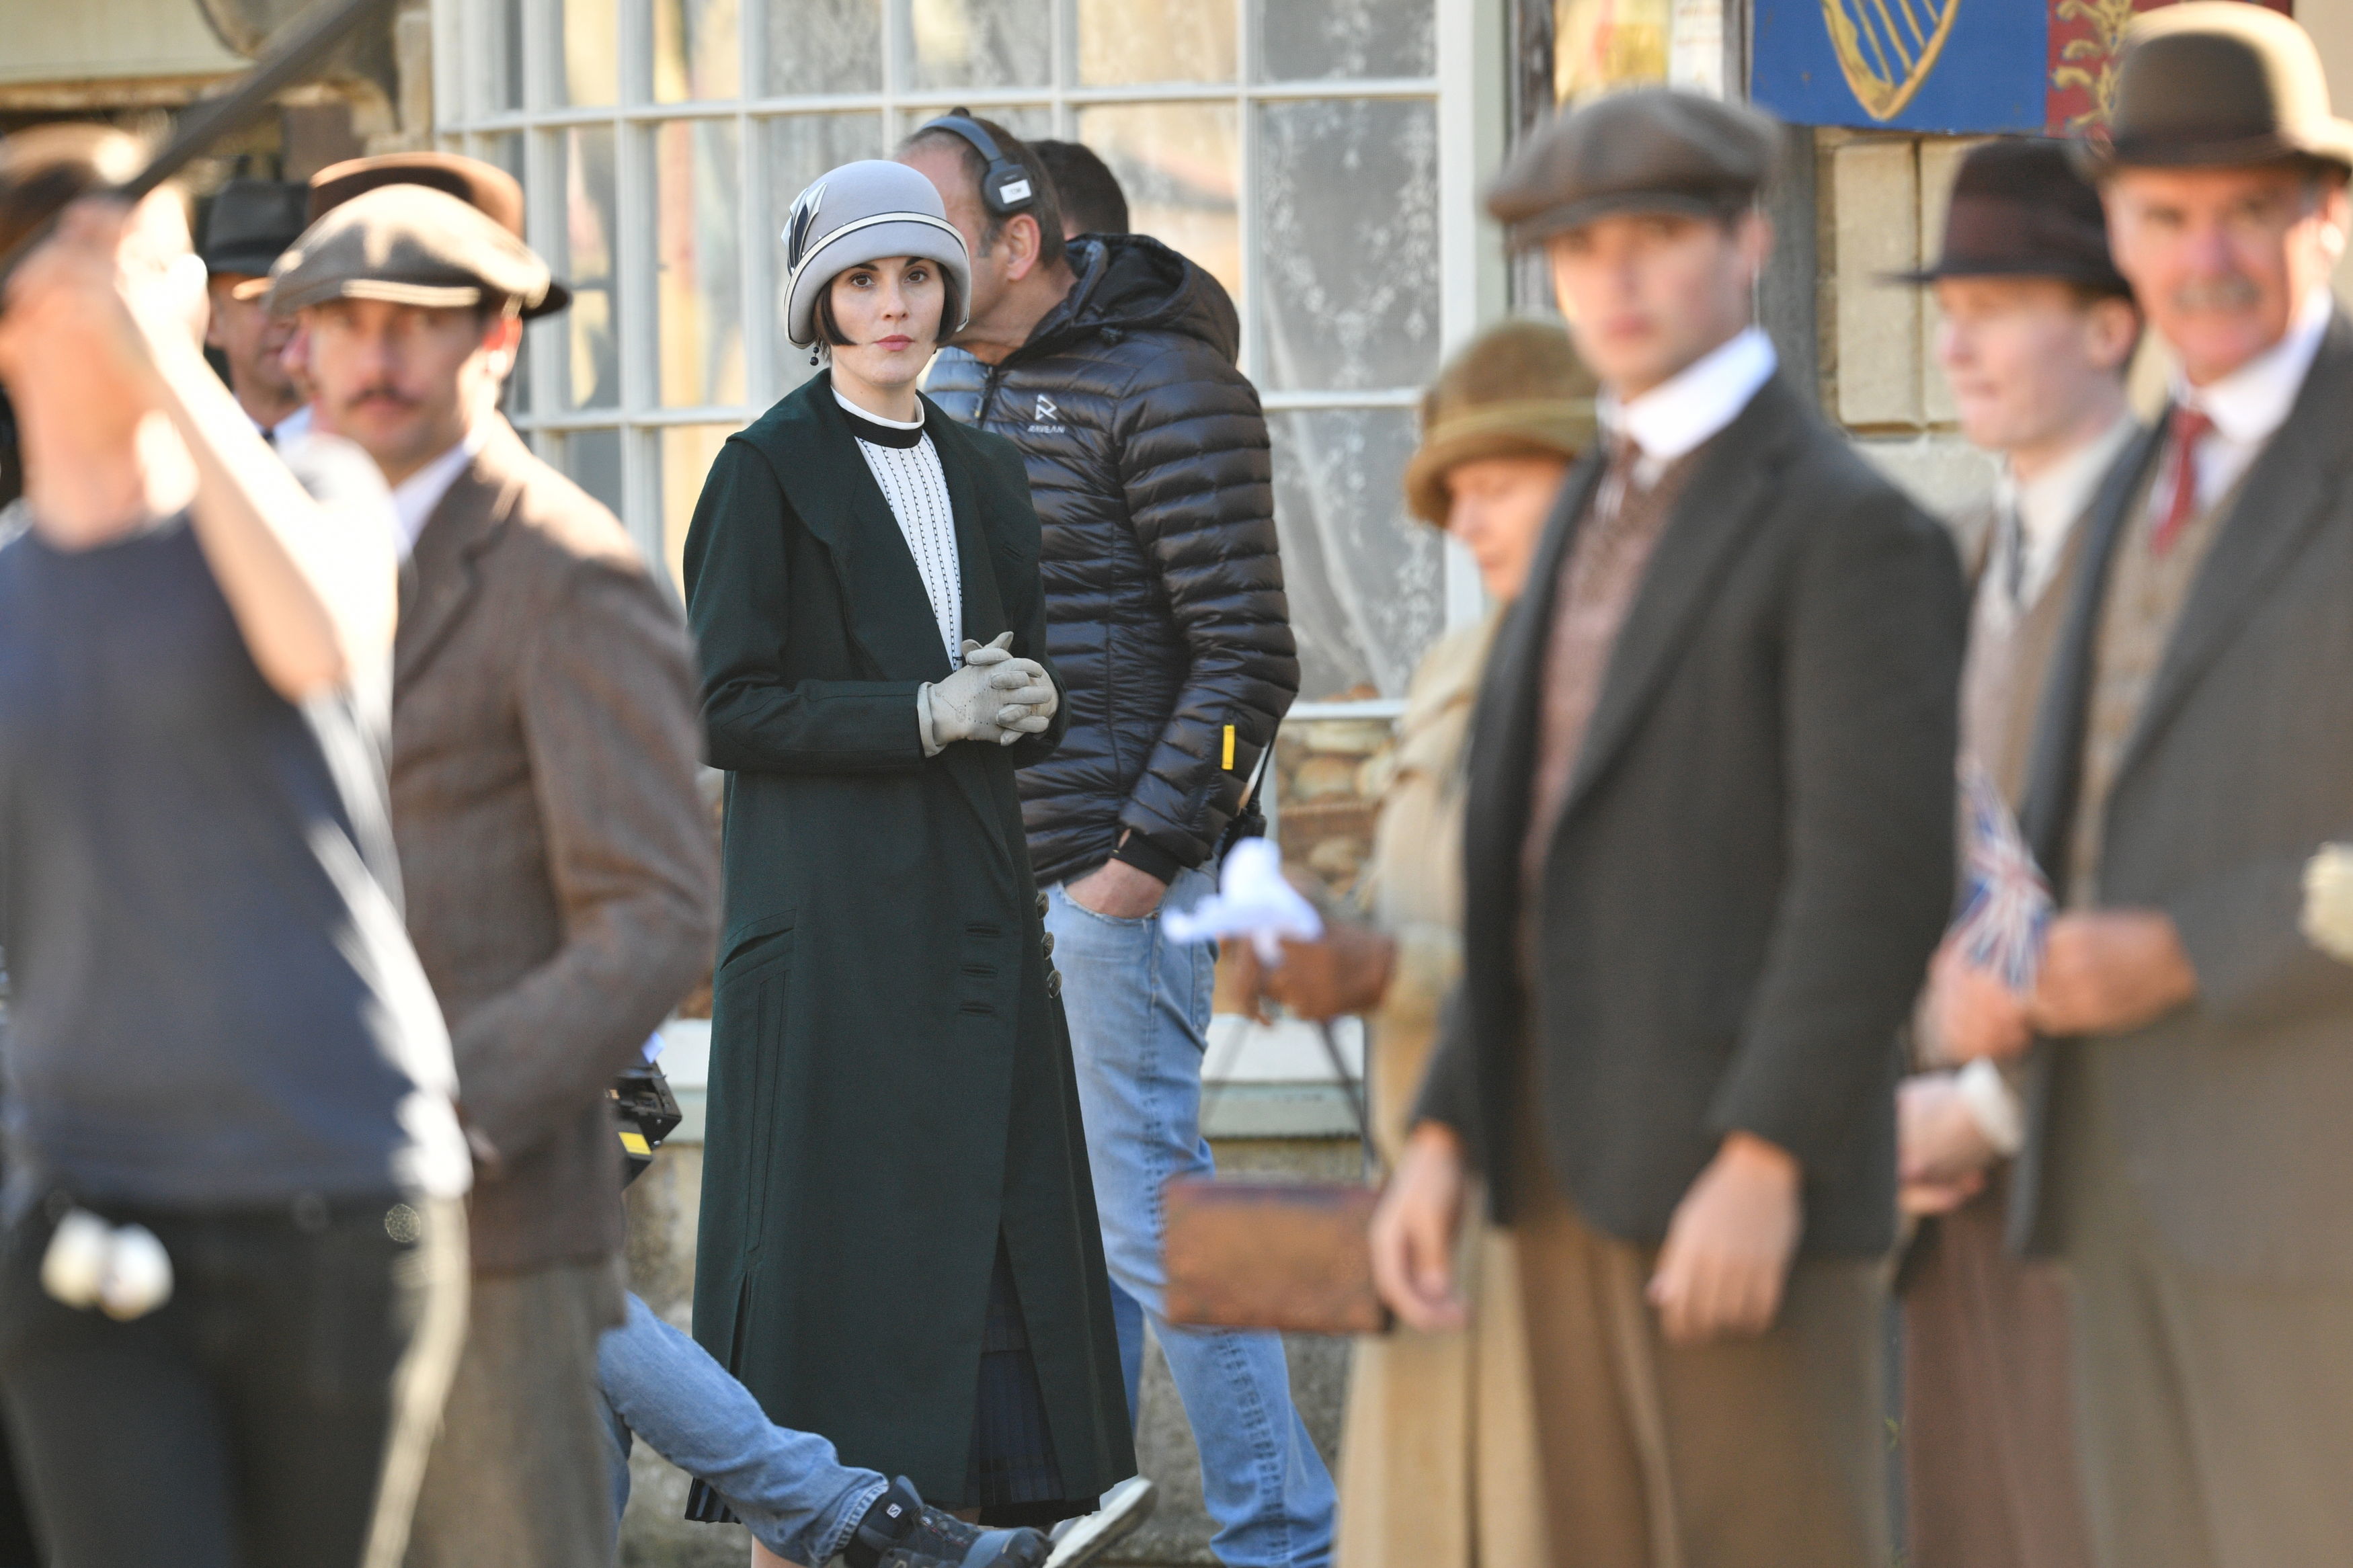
pixel 2231 1111
pixel 890 1077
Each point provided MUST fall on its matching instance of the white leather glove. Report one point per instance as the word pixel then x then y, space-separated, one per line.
pixel 992 697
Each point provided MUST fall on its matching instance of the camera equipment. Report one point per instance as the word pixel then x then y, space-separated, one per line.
pixel 645 1112
pixel 1006 187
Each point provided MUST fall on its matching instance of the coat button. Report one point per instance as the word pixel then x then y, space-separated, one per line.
pixel 1053 982
pixel 1041 906
pixel 1047 947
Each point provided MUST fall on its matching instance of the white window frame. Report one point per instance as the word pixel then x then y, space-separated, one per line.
pixel 1468 89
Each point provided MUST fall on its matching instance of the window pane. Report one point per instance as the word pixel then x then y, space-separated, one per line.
pixel 500 66
pixel 593 460
pixel 589 33
pixel 800 148
pixel 1367 584
pixel 979 43
pixel 505 150
pixel 1348 216
pixel 1306 40
pixel 698 268
pixel 584 259
pixel 1155 40
pixel 824 46
pixel 696 52
pixel 686 453
pixel 1178 163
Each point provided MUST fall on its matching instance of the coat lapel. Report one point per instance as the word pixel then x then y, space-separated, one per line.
pixel 1716 512
pixel 837 502
pixel 441 577
pixel 2288 494
pixel 1503 726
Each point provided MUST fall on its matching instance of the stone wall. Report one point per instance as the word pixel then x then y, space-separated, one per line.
pixel 663 1209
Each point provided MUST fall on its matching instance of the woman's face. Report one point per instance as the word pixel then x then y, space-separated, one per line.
pixel 1497 507
pixel 889 311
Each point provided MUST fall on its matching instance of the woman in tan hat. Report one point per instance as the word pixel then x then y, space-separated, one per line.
pixel 1439 1457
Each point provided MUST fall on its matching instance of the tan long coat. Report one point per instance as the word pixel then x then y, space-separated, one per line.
pixel 1439 1464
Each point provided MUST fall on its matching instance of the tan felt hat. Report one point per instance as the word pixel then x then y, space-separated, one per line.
pixel 470 180
pixel 410 246
pixel 2211 83
pixel 1646 149
pixel 1517 390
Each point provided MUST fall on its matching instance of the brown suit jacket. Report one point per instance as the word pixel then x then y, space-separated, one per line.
pixel 560 870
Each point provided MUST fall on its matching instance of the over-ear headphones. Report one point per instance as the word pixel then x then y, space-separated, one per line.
pixel 1006 187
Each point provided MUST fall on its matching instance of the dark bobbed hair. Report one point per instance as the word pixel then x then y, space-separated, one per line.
pixel 1045 201
pixel 1093 202
pixel 829 330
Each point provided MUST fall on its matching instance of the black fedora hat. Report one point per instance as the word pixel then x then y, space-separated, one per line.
pixel 2021 209
pixel 2218 83
pixel 252 223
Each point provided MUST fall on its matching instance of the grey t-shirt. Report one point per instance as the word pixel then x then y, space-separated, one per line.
pixel 214 1001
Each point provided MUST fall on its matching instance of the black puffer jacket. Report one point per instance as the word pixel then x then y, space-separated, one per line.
pixel 1165 612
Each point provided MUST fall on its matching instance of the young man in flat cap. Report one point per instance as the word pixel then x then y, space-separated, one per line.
pixel 2186 1155
pixel 251 222
pixel 560 877
pixel 2036 331
pixel 1709 852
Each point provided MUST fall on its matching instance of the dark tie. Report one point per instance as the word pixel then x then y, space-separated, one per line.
pixel 2189 426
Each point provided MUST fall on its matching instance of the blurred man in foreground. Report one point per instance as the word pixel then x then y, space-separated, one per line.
pixel 1709 850
pixel 561 877
pixel 2186 1155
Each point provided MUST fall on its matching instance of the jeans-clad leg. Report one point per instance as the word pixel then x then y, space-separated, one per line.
pixel 1139 1013
pixel 790 1490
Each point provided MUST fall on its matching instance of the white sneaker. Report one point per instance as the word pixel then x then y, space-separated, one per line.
pixel 1086 1537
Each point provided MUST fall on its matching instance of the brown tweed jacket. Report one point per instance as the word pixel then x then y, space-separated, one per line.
pixel 560 875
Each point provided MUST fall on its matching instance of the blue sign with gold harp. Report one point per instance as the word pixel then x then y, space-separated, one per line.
pixel 1909 64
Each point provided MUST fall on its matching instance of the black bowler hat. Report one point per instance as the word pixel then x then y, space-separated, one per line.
pixel 252 223
pixel 2019 209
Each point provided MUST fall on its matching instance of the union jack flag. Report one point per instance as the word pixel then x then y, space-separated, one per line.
pixel 2006 900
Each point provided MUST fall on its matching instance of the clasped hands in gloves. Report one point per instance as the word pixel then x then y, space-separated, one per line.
pixel 993 696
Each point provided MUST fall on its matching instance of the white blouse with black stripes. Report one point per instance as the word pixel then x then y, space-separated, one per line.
pixel 907 467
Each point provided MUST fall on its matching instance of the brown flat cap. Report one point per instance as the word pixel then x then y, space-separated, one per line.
pixel 2021 209
pixel 1647 150
pixel 2218 83
pixel 1516 390
pixel 483 186
pixel 410 246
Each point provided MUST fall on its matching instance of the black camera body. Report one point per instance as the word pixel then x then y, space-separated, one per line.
pixel 644 1113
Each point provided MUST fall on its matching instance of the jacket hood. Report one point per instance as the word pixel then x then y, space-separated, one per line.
pixel 1130 282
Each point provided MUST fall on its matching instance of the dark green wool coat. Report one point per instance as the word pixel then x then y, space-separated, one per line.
pixel 890 1079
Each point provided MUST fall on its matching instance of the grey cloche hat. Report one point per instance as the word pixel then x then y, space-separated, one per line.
pixel 863 212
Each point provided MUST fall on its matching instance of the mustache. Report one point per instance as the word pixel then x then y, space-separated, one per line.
pixel 2234 292
pixel 380 393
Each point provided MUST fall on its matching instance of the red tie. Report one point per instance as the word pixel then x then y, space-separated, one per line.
pixel 2190 427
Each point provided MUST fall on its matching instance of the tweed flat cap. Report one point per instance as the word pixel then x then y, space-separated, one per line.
pixel 1516 390
pixel 251 222
pixel 1647 150
pixel 2218 83
pixel 485 186
pixel 2020 208
pixel 410 246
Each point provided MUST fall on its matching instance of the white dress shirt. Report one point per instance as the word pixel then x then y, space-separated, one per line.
pixel 1682 411
pixel 2047 508
pixel 2250 402
pixel 414 498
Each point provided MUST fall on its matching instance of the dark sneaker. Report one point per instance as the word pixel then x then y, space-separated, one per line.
pixel 899 1532
pixel 1085 1539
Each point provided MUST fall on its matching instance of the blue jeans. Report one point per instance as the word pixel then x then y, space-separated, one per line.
pixel 1139 1012
pixel 790 1490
